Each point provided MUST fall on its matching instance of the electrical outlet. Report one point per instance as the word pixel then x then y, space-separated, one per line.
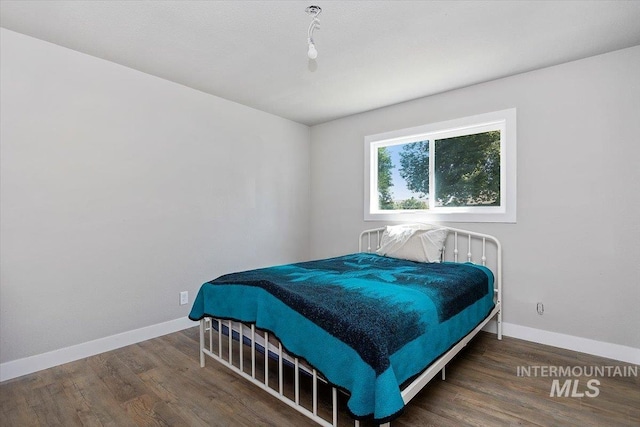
pixel 540 308
pixel 184 297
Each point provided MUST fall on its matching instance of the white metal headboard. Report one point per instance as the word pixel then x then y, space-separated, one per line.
pixel 460 246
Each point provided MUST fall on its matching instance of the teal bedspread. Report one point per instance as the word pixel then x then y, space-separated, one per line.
pixel 368 323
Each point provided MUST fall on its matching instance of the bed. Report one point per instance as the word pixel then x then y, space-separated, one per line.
pixel 376 325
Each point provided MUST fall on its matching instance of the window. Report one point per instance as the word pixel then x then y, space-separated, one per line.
pixel 461 170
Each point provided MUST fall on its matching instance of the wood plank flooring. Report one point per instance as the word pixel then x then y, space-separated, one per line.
pixel 160 383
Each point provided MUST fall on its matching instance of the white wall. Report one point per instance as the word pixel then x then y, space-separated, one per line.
pixel 119 190
pixel 575 246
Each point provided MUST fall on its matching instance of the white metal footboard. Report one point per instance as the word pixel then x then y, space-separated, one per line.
pixel 229 349
pixel 246 350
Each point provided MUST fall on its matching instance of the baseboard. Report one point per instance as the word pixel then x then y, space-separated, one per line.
pixel 28 365
pixel 20 367
pixel 583 345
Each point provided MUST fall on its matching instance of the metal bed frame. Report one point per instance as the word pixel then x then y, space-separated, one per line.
pixel 483 248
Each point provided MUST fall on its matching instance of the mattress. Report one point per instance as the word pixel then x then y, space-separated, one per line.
pixel 367 322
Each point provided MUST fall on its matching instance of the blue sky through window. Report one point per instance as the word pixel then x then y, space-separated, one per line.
pixel 399 189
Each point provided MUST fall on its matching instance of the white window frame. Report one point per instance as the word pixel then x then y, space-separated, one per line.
pixel 504 120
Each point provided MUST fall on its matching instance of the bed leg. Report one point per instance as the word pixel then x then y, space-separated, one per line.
pixel 202 343
pixel 443 373
pixel 500 324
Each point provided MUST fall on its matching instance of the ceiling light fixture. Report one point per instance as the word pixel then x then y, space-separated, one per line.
pixel 314 11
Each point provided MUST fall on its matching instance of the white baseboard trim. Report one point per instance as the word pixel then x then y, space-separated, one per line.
pixel 28 365
pixel 618 352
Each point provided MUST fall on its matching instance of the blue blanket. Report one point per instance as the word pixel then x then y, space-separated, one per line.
pixel 367 322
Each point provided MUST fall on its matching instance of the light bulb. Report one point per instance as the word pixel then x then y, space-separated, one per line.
pixel 312 53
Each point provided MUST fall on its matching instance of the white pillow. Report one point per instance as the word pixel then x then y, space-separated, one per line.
pixel 413 242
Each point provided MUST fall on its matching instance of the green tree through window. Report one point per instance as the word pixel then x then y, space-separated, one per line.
pixel 384 179
pixel 414 166
pixel 467 169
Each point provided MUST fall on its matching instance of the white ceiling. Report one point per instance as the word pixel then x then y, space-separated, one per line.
pixel 371 53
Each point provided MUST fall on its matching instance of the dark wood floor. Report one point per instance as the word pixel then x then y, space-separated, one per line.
pixel 159 383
